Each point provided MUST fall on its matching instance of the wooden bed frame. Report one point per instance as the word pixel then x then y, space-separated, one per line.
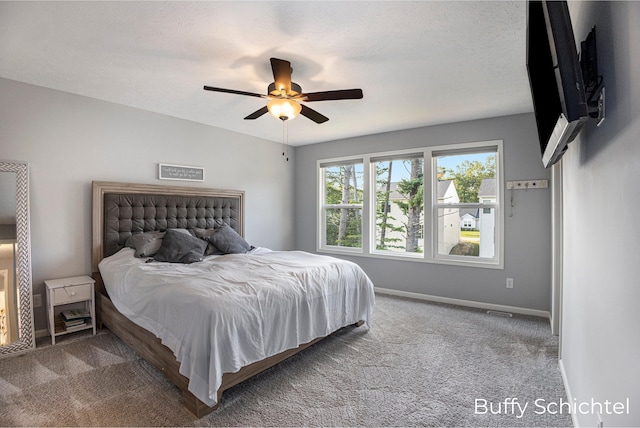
pixel 140 339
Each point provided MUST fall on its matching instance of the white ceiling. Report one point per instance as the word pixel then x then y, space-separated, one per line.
pixel 418 63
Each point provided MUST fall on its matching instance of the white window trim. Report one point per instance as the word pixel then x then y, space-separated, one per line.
pixel 498 260
pixel 373 158
pixel 430 254
pixel 321 245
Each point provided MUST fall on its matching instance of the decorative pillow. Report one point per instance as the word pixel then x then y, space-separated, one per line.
pixel 179 247
pixel 202 233
pixel 146 244
pixel 185 231
pixel 228 241
pixel 206 234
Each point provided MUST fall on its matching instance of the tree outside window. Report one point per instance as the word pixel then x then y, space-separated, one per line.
pixel 343 205
pixel 400 204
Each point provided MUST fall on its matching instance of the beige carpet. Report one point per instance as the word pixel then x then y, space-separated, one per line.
pixel 421 364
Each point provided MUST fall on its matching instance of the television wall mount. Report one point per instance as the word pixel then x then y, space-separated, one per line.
pixel 592 80
pixel 596 110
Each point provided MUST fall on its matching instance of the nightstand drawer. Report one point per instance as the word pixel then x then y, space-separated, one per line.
pixel 72 293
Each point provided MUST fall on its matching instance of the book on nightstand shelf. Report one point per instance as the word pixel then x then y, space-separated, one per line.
pixel 76 327
pixel 75 319
pixel 73 323
pixel 75 314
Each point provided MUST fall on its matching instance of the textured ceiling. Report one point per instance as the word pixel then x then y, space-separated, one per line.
pixel 418 63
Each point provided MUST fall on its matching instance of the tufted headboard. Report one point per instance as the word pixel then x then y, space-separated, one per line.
pixel 123 209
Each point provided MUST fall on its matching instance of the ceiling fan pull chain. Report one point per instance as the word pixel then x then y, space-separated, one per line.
pixel 283 138
pixel 286 138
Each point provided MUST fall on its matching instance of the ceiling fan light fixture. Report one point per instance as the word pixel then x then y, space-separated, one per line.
pixel 286 95
pixel 284 109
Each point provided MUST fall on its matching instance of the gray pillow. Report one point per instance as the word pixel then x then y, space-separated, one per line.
pixel 202 233
pixel 146 244
pixel 180 247
pixel 185 231
pixel 228 241
pixel 206 234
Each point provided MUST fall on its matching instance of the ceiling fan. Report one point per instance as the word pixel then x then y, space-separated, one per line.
pixel 284 96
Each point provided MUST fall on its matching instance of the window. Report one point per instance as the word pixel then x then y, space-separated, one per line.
pixel 466 184
pixel 435 204
pixel 342 196
pixel 399 202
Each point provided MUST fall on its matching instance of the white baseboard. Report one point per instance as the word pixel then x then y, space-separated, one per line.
pixel 469 303
pixel 42 333
pixel 574 419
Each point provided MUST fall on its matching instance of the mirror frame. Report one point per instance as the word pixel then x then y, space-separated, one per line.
pixel 26 338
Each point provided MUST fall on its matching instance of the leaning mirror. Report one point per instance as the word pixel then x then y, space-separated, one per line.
pixel 16 311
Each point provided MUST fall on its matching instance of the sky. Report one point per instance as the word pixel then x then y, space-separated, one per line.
pixel 449 162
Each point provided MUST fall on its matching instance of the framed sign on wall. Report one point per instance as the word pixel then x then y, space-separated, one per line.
pixel 180 172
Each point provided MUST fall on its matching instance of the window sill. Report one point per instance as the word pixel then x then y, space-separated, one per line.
pixel 419 258
pixel 341 250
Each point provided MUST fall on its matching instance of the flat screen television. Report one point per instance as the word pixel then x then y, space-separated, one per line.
pixel 555 77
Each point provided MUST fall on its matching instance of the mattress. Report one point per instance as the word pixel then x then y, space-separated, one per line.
pixel 229 311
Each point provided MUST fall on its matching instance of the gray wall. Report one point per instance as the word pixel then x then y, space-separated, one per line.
pixel 600 342
pixel 527 233
pixel 69 140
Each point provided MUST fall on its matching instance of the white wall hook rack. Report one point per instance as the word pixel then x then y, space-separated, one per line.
pixel 527 184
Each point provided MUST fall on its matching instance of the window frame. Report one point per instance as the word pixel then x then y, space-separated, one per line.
pixel 322 218
pixel 382 157
pixel 462 149
pixel 429 231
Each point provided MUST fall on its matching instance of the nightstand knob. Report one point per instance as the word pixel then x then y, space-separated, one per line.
pixel 73 293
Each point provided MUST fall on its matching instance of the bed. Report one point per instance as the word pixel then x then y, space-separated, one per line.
pixel 288 300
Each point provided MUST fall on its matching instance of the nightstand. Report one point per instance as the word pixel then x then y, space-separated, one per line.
pixel 65 294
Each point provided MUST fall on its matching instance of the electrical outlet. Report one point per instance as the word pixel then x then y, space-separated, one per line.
pixel 37 300
pixel 509 282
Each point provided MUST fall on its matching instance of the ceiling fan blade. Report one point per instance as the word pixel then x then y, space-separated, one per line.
pixel 313 115
pixel 281 74
pixel 256 114
pixel 232 91
pixel 342 94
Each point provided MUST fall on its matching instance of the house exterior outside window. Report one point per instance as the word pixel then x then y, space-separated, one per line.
pixel 487 220
pixel 448 219
pixel 469 218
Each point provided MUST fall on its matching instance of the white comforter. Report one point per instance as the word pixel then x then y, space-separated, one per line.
pixel 229 311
